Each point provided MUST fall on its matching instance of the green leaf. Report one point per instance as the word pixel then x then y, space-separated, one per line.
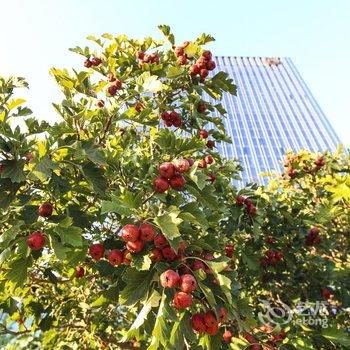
pixel 59 249
pixel 159 333
pixel 115 206
pixel 178 331
pixel 209 295
pixel 95 178
pixel 204 39
pixel 168 224
pixel 43 169
pixel 138 283
pixel 18 272
pixel 4 255
pixel 166 32
pixel 10 234
pixel 337 336
pixel 71 235
pixel 152 302
pixel 174 71
pixel 14 171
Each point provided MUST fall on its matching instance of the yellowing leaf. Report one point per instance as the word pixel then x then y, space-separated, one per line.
pixel 191 49
pixel 15 103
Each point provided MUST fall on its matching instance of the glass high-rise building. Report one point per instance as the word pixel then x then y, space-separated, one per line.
pixel 274 111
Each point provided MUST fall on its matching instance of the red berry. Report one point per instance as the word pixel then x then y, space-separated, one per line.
pixel 279 255
pixel 210 319
pixel 110 77
pixel 204 73
pixel 227 336
pixel 169 279
pixel 165 116
pixel 118 84
pixel 207 55
pixel 240 200
pixel 115 257
pixel 140 55
pixel 182 165
pixel 292 173
pixel 161 184
pixel 177 122
pixel 203 134
pixel 188 283
pixel 100 104
pixel 270 240
pixel 212 177
pixel 326 293
pixel 211 65
pixel 167 170
pixel 251 210
pixel 182 60
pixel 96 251
pixel 270 253
pixel 209 159
pixel 36 240
pixel 147 232
pixel 201 108
pixel 130 233
pixel 190 161
pixel 2 167
pixel 169 254
pixel 182 247
pixel 177 182
pixel 210 144
pixel 169 123
pixel 182 300
pixel 96 61
pixel 195 69
pixel 79 272
pixel 160 241
pixel 197 322
pixel 264 262
pixel 138 107
pixel 45 209
pixel 156 255
pixel 202 164
pixel 29 156
pixel 179 51
pixel 134 246
pixel 212 330
pixel 249 338
pixel 202 63
pixel 198 264
pixel 87 63
pixel 229 249
pixel 112 90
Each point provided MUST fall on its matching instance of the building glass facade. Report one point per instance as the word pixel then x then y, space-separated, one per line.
pixel 273 112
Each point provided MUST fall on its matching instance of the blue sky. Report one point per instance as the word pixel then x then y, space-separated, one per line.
pixel 36 34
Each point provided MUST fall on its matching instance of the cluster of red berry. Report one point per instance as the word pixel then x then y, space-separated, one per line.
pixel 95 61
pixel 208 322
pixel 147 58
pixel 313 236
pixel 250 207
pixel 115 85
pixel 171 119
pixel 272 257
pixel 180 53
pixel 170 175
pixel 203 65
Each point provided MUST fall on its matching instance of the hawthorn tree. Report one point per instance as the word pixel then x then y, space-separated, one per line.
pixel 120 225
